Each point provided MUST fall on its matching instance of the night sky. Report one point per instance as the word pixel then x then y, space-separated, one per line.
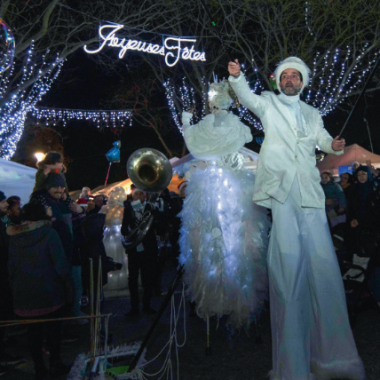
pixel 84 84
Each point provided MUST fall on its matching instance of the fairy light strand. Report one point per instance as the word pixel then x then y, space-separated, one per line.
pixel 111 118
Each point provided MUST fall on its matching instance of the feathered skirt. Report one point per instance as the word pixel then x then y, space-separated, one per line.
pixel 223 241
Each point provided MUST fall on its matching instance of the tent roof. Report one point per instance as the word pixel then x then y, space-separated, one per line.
pixel 351 154
pixel 16 179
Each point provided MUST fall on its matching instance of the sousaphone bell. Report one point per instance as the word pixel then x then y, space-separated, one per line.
pixel 150 171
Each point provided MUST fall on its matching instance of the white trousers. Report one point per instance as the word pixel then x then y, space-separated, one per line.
pixel 311 334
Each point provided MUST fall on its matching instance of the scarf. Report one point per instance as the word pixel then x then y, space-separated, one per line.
pixel 293 104
pixel 345 186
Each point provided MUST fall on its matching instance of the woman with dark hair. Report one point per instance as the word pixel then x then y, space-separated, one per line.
pixel 361 211
pixel 347 181
pixel 41 283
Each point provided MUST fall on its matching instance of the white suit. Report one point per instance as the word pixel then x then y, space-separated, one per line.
pixel 311 335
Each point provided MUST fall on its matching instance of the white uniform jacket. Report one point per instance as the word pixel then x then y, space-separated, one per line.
pixel 283 154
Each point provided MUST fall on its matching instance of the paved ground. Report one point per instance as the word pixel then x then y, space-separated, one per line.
pixel 234 357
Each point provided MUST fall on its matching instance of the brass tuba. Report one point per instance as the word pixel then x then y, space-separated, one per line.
pixel 149 170
pixel 152 172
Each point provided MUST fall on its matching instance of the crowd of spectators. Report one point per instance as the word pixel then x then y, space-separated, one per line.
pixel 353 213
pixel 45 249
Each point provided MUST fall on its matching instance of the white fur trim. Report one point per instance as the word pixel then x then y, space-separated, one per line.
pixel 294 63
pixel 348 370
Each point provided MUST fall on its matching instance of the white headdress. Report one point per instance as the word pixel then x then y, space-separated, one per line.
pixel 293 63
pixel 220 95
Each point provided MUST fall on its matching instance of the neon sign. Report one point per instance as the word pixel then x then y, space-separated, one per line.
pixel 173 49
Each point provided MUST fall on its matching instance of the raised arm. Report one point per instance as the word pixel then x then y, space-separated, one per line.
pixel 186 117
pixel 255 103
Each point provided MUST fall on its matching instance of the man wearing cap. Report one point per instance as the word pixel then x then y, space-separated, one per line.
pixel 311 334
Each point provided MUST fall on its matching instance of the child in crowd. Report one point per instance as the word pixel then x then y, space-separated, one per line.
pixel 52 162
pixel 335 199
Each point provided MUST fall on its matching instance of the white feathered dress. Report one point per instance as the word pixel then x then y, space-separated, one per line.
pixel 224 235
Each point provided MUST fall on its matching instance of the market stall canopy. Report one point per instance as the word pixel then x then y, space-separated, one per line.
pixel 16 179
pixel 352 153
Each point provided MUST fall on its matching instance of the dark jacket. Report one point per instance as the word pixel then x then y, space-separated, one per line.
pixel 4 243
pixel 6 308
pixel 60 220
pixel 129 222
pixel 347 191
pixel 93 248
pixel 367 213
pixel 39 274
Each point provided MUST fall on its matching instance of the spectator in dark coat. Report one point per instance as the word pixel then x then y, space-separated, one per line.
pixel 362 212
pixel 6 302
pixel 6 308
pixel 143 258
pixel 346 183
pixel 53 196
pixel 93 248
pixel 41 282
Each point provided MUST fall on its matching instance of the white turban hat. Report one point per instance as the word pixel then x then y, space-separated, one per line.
pixel 293 63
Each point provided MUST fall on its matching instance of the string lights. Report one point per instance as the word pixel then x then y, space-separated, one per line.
pixel 19 96
pixel 170 96
pixel 335 76
pixel 340 76
pixel 185 95
pixel 111 118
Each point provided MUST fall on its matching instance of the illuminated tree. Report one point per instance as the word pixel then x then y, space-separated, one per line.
pixel 339 40
pixel 47 33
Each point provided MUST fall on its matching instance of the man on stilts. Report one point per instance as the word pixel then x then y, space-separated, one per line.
pixel 311 334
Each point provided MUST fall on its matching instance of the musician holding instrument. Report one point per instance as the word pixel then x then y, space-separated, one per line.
pixel 143 257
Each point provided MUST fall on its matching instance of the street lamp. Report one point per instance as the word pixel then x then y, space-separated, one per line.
pixel 39 156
